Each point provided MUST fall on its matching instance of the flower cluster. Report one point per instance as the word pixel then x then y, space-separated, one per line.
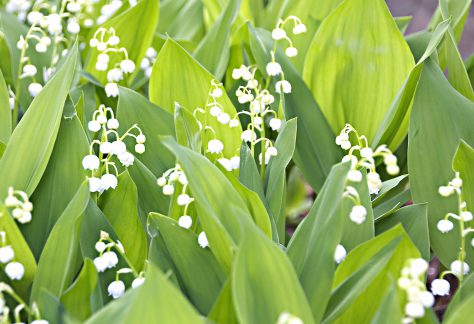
pixel 107 42
pixel 358 212
pixel 463 216
pixel 168 181
pixel 14 269
pixel 362 156
pixel 279 33
pixel 108 259
pixel 31 312
pixel 19 8
pixel 412 282
pixel 104 121
pixel 147 63
pixel 19 204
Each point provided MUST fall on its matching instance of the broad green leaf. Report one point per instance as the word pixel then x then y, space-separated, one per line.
pixel 263 278
pixel 135 27
pixel 403 22
pixel 188 84
pixel 458 9
pixel 77 299
pixel 440 118
pixel 120 206
pixel 223 214
pixel 315 151
pixel 356 64
pixel 314 242
pixel 223 310
pixel 213 50
pixel 203 281
pixel 389 311
pixel 463 313
pixel 362 301
pixel 62 249
pixel 133 109
pixel 414 219
pixel 154 299
pixel 5 114
pixel 23 254
pixel 59 183
pixel 463 294
pixel 31 140
pixel 182 19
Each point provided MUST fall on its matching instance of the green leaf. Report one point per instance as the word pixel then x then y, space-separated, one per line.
pixel 440 118
pixel 187 129
pixel 223 310
pixel 316 151
pixel 414 219
pixel 358 53
pixel 59 183
pixel 463 162
pixel 203 281
pixel 23 254
pixel 403 22
pixel 213 50
pixel 183 20
pixel 314 242
pixel 264 279
pixel 62 249
pixel 147 304
pixel 77 299
pixel 135 27
pixel 120 206
pixel 463 313
pixel 5 114
pixel 389 311
pixel 188 84
pixel 31 140
pixel 223 214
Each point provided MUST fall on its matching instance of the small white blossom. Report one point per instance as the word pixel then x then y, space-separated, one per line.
pixel 100 246
pixel 6 254
pixel 29 70
pixel 118 147
pixel 168 190
pixel 374 182
pixel 215 111
pixel 340 253
pixel 354 176
pixel 161 181
pixel 414 310
pixel 272 151
pixel 140 139
pixel 108 181
pixel 126 159
pixel 458 267
pixel 223 118
pixel 299 29
pixel 114 40
pixel 105 147
pixel 215 146
pixel 440 287
pixel 184 199
pixel 234 123
pixel 466 216
pixel 202 240
pixel 128 66
pixel 235 161
pixel 34 89
pixel 90 162
pixel 444 226
pixel 15 270
pixel 94 184
pixel 115 75
pixel 393 169
pixel 291 51
pixel 278 33
pixel 446 191
pixel 358 214
pixel 283 85
pixel 111 89
pixel 101 264
pixel 93 126
pixel 116 289
pixel 111 258
pixel 73 27
pixel 418 267
pixel 34 17
pixel 185 221
pixel 273 68
pixel 248 136
pixel 226 163
pixel 140 148
pixel 275 124
pixel 137 282
pixel 113 123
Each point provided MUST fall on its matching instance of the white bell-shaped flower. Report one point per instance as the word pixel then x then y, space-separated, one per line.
pixel 202 240
pixel 111 89
pixel 111 258
pixel 73 27
pixel 393 169
pixel 113 40
pixel 340 253
pixel 161 181
pixel 358 214
pixel 184 199
pixel 267 158
pixel 140 148
pixel 113 123
pixel 427 299
pixel 6 254
pixel 108 181
pixel 15 270
pixel 390 159
pixel 226 163
pixel 444 226
pixel 446 191
pixel 73 7
pixel 94 184
pixel 418 267
pixel 100 246
pixel 414 310
pixel 101 264
pixel 105 147
pixel 272 151
pixel 216 93
pixel 101 66
pixel 168 190
pixel 34 17
pixel 440 287
pixel 93 126
pixel 25 217
pixel 354 176
pixel 90 162
pixel 185 221
pixel 466 216
pixel 126 159
pixel 374 182
pixel 284 86
pixel 115 75
pixel 248 136
pixel 291 51
pixel 127 66
pixel 118 147
pixel 299 29
pixel 273 69
pixel 140 139
pixel 137 282
pixel 215 146
pixel 458 267
pixel 366 152
pixel 223 118
pixel 34 89
pixel 275 124
pixel 234 123
pixel 29 70
pixel 215 111
pixel 278 33
pixel 116 289
pixel 235 161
